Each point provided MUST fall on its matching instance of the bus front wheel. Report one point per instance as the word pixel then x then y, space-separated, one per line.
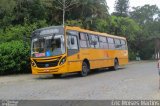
pixel 85 69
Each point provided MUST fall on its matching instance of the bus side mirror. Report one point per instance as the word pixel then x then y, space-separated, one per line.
pixel 72 41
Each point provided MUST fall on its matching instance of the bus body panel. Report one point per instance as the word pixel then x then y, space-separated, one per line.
pixel 59 69
pixel 51 70
pixel 74 63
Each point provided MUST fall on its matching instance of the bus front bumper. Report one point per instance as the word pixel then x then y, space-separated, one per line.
pixel 52 70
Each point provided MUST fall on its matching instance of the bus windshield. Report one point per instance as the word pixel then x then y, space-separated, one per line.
pixel 51 45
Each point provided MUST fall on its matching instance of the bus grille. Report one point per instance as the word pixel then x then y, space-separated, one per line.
pixel 47 64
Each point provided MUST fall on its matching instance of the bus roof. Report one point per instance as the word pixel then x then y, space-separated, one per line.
pixel 80 30
pixel 93 32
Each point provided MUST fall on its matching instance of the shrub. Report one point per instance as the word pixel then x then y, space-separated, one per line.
pixel 14 57
pixel 132 55
pixel 17 32
pixel 14 54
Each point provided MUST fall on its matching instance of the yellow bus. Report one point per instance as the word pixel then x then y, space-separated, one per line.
pixel 58 50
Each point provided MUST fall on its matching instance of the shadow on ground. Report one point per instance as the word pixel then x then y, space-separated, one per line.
pixel 75 75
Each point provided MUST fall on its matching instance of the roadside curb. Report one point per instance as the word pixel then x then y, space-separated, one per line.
pixel 137 62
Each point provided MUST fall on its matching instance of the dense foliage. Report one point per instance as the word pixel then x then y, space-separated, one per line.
pixel 15 48
pixel 18 18
pixel 14 57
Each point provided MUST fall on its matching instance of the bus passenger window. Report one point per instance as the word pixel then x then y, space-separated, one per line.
pixel 111 43
pixel 97 44
pixel 103 42
pixel 94 43
pixel 124 45
pixel 118 45
pixel 83 40
pixel 72 45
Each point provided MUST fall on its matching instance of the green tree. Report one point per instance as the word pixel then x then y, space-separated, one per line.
pixel 6 12
pixel 121 8
pixel 89 11
pixel 124 26
pixel 84 10
pixel 147 18
pixel 28 11
pixel 145 13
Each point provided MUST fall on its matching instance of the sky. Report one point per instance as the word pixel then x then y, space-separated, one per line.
pixel 133 3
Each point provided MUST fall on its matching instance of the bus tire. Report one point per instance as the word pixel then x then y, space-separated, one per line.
pixel 85 69
pixel 57 75
pixel 116 65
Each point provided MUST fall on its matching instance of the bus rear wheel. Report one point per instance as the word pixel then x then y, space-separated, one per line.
pixel 116 65
pixel 85 69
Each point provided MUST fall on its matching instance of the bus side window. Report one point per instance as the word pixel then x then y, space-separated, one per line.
pixel 87 38
pixel 94 43
pixel 72 42
pixel 124 45
pixel 111 43
pixel 83 40
pixel 118 45
pixel 91 41
pixel 103 42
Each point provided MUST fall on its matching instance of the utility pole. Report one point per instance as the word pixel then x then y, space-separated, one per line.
pixel 64 11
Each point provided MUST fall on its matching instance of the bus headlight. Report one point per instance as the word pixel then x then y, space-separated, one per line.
pixel 33 64
pixel 63 60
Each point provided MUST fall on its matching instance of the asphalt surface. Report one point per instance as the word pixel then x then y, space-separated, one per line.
pixel 138 80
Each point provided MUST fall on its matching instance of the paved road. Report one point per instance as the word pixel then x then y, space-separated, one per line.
pixel 135 81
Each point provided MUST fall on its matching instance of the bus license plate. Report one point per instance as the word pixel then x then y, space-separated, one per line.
pixel 46 70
